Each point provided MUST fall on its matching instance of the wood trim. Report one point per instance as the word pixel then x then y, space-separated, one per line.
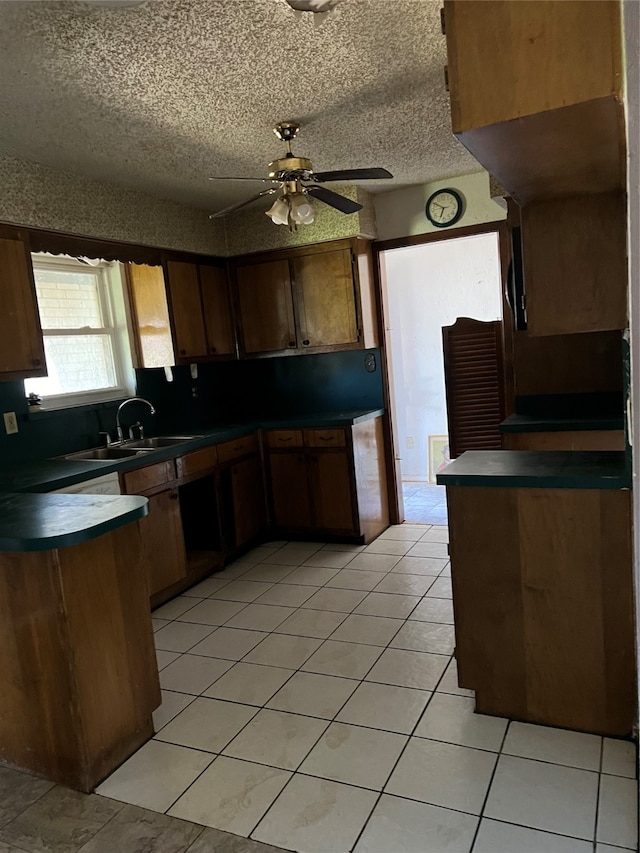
pixel 436 236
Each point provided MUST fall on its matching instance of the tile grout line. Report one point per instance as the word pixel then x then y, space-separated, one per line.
pixel 597 814
pixel 489 786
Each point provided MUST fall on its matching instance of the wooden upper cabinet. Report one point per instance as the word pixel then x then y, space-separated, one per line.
pixel 21 343
pixel 266 306
pixel 150 316
pixel 313 298
pixel 535 92
pixel 509 60
pixel 216 306
pixel 186 308
pixel 575 264
pixel 325 298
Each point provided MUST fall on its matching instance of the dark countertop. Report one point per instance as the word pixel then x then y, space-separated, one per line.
pixel 33 520
pixel 535 423
pixel 46 522
pixel 553 469
pixel 45 475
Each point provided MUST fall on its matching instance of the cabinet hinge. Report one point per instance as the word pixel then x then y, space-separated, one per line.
pixel 446 77
pixel 443 23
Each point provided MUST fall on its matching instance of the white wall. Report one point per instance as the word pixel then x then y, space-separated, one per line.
pixel 400 213
pixel 428 287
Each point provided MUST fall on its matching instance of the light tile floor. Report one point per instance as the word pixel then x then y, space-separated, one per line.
pixel 310 702
pixel 424 503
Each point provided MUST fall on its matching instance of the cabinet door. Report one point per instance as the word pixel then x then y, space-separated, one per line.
pixel 216 306
pixel 186 308
pixel 331 491
pixel 325 299
pixel 575 264
pixel 266 306
pixel 163 542
pixel 249 508
pixel 291 506
pixel 21 344
pixel 151 316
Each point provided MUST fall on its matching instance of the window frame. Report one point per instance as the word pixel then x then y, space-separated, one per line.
pixel 115 320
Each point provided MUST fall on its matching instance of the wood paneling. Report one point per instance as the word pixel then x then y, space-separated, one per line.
pixel 370 478
pixel 150 477
pixel 325 438
pixel 197 461
pixel 567 364
pixel 284 438
pixel 326 299
pixel 331 490
pixel 21 344
pixel 508 60
pixel 543 602
pixel 78 665
pixel 151 316
pixel 186 309
pixel 249 505
pixel 163 542
pixel 242 446
pixel 266 306
pixel 474 384
pixel 290 501
pixel 216 305
pixel 609 439
pixel 575 264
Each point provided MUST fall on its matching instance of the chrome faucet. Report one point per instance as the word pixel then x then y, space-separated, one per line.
pixel 121 407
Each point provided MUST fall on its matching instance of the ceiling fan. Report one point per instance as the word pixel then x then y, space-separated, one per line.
pixel 294 180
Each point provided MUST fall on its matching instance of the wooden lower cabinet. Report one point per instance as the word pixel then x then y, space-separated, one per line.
pixel 332 491
pixel 248 501
pixel 543 604
pixel 163 542
pixel 334 485
pixel 290 496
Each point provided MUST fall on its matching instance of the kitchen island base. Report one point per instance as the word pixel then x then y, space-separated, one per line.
pixel 78 670
pixel 543 603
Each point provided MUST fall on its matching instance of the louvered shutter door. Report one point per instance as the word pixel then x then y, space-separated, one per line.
pixel 474 384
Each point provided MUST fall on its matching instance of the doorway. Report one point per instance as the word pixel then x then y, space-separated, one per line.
pixel 425 287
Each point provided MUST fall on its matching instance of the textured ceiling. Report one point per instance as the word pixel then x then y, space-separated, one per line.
pixel 158 96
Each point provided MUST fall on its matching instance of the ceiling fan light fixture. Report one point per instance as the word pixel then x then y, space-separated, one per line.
pixel 317 6
pixel 279 211
pixel 302 212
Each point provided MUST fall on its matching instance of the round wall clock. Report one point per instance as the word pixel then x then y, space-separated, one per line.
pixel 444 207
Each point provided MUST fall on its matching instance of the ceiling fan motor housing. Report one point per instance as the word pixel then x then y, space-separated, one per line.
pixel 290 164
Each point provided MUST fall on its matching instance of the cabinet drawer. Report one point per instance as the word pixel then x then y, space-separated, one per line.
pixel 198 460
pixel 149 477
pixel 231 450
pixel 284 438
pixel 325 438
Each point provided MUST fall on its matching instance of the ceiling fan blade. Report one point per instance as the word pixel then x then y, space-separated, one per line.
pixel 351 175
pixel 227 178
pixel 233 207
pixel 340 202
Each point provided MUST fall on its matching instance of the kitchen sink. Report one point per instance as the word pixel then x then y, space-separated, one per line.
pixel 104 453
pixel 160 441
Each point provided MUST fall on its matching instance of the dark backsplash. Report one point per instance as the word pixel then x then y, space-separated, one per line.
pixel 223 392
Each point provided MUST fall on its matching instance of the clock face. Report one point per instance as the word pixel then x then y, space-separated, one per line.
pixel 444 208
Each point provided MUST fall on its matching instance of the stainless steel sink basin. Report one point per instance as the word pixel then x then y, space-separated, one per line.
pixel 104 453
pixel 160 441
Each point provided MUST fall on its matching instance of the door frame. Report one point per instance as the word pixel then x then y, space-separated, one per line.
pixel 394 475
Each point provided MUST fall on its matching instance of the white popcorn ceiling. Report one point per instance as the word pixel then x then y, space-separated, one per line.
pixel 156 97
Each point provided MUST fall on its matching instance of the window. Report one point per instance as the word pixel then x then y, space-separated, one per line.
pixel 82 312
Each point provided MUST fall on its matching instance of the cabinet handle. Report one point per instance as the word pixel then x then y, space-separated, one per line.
pixel 212 349
pixel 36 362
pixel 174 496
pixel 325 438
pixel 183 352
pixel 286 439
pixel 306 343
pixel 292 343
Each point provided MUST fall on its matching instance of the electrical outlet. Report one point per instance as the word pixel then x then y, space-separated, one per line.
pixel 10 423
pixel 410 442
